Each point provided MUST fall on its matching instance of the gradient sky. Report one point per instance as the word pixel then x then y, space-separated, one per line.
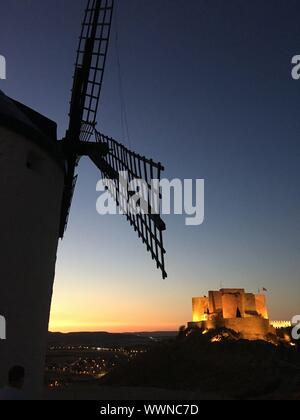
pixel 209 93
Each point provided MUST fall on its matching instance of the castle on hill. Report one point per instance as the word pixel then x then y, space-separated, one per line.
pixel 244 313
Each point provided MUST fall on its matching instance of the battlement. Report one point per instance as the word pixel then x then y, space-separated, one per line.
pixel 281 324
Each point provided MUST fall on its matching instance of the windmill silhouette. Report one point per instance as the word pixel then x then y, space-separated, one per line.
pixel 82 138
pixel 37 182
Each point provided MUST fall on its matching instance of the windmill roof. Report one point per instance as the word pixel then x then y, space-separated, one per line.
pixel 25 121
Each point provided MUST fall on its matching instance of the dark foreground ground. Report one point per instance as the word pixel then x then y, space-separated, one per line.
pixel 200 367
pixel 114 393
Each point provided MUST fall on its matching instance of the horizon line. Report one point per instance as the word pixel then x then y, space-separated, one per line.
pixel 115 332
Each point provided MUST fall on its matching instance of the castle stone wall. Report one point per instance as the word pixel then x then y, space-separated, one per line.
pixel 261 306
pixel 200 308
pixel 250 305
pixel 215 302
pixel 249 328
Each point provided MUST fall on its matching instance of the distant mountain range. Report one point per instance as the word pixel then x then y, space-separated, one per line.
pixel 102 339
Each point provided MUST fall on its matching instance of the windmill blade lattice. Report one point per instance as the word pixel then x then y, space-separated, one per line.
pixel 90 66
pixel 147 223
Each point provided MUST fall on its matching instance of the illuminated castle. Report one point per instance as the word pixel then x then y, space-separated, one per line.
pixel 245 313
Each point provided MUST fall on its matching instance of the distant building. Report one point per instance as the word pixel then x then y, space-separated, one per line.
pixel 245 313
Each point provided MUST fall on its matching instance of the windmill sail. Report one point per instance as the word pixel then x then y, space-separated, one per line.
pixel 90 66
pixel 87 84
pixel 108 155
pixel 147 222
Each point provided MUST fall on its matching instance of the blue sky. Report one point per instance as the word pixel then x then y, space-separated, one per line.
pixel 209 93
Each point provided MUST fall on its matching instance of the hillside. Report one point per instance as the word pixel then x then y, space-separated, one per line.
pixel 218 363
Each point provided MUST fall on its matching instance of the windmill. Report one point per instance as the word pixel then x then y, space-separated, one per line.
pixel 32 158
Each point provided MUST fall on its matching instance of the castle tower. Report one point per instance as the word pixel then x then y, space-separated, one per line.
pixel 31 187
